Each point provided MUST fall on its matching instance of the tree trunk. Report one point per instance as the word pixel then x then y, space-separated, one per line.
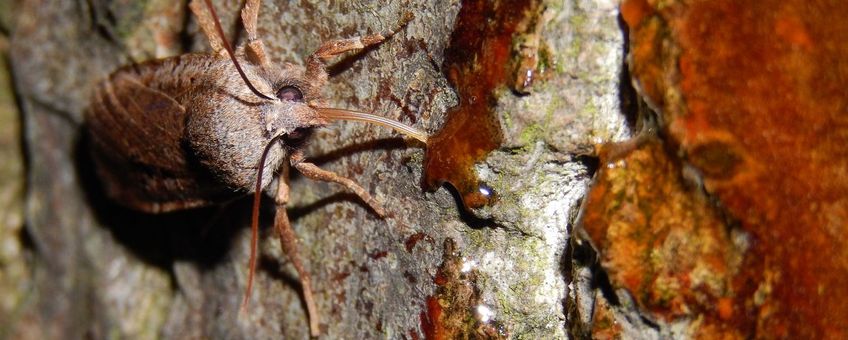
pixel 94 269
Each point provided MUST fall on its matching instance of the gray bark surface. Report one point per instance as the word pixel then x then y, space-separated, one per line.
pixel 88 268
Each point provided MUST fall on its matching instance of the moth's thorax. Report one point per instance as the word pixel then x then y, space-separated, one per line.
pixel 230 125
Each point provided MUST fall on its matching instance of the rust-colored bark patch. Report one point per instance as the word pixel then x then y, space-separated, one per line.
pixel 413 240
pixel 451 313
pixel 660 239
pixel 604 326
pixel 753 93
pixel 476 65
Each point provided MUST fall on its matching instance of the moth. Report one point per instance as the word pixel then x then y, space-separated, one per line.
pixel 200 129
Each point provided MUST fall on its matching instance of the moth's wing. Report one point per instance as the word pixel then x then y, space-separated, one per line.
pixel 136 129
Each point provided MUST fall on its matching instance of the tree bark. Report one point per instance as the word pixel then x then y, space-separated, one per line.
pixel 98 270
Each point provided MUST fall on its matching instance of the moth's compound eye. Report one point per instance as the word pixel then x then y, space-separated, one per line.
pixel 290 93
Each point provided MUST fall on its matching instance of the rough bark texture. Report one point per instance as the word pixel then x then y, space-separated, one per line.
pixel 750 98
pixel 93 269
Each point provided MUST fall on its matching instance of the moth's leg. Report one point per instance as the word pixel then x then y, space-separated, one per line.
pixel 313 172
pixel 255 50
pixel 316 64
pixel 288 241
pixel 207 24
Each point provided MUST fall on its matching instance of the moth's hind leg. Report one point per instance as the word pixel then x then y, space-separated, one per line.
pixel 288 241
pixel 316 64
pixel 313 172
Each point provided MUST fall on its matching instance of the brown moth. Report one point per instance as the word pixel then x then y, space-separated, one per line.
pixel 199 129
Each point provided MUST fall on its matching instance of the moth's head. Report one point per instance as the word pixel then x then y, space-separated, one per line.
pixel 292 112
pixel 297 108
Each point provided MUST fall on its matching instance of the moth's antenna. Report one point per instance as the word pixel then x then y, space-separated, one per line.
pixel 230 51
pixel 342 114
pixel 254 224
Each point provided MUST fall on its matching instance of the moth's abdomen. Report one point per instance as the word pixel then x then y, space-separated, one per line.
pixel 136 124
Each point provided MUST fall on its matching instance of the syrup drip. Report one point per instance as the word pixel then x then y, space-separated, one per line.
pixel 476 64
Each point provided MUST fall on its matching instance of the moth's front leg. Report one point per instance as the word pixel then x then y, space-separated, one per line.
pixel 316 68
pixel 313 172
pixel 289 243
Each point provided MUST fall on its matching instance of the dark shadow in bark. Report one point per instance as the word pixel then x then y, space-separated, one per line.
pixel 627 95
pixel 274 268
pixel 202 235
pixel 347 62
pixel 467 216
pixel 382 144
pixel 296 212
